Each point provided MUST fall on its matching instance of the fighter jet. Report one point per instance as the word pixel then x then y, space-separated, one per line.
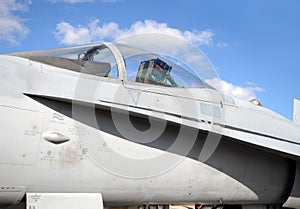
pixel 140 129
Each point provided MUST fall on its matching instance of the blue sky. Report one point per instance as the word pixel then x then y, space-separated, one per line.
pixel 253 44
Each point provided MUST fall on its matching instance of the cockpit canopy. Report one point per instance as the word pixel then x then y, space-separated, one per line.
pixel 117 61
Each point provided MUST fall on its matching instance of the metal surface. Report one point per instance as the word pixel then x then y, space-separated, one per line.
pixel 64 201
pixel 66 131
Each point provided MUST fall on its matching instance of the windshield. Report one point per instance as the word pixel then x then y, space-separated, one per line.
pixel 95 60
pixel 149 68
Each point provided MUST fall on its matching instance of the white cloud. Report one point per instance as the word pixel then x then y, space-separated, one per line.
pixel 12 27
pixel 68 35
pixel 244 93
pixel 222 45
pixel 94 32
